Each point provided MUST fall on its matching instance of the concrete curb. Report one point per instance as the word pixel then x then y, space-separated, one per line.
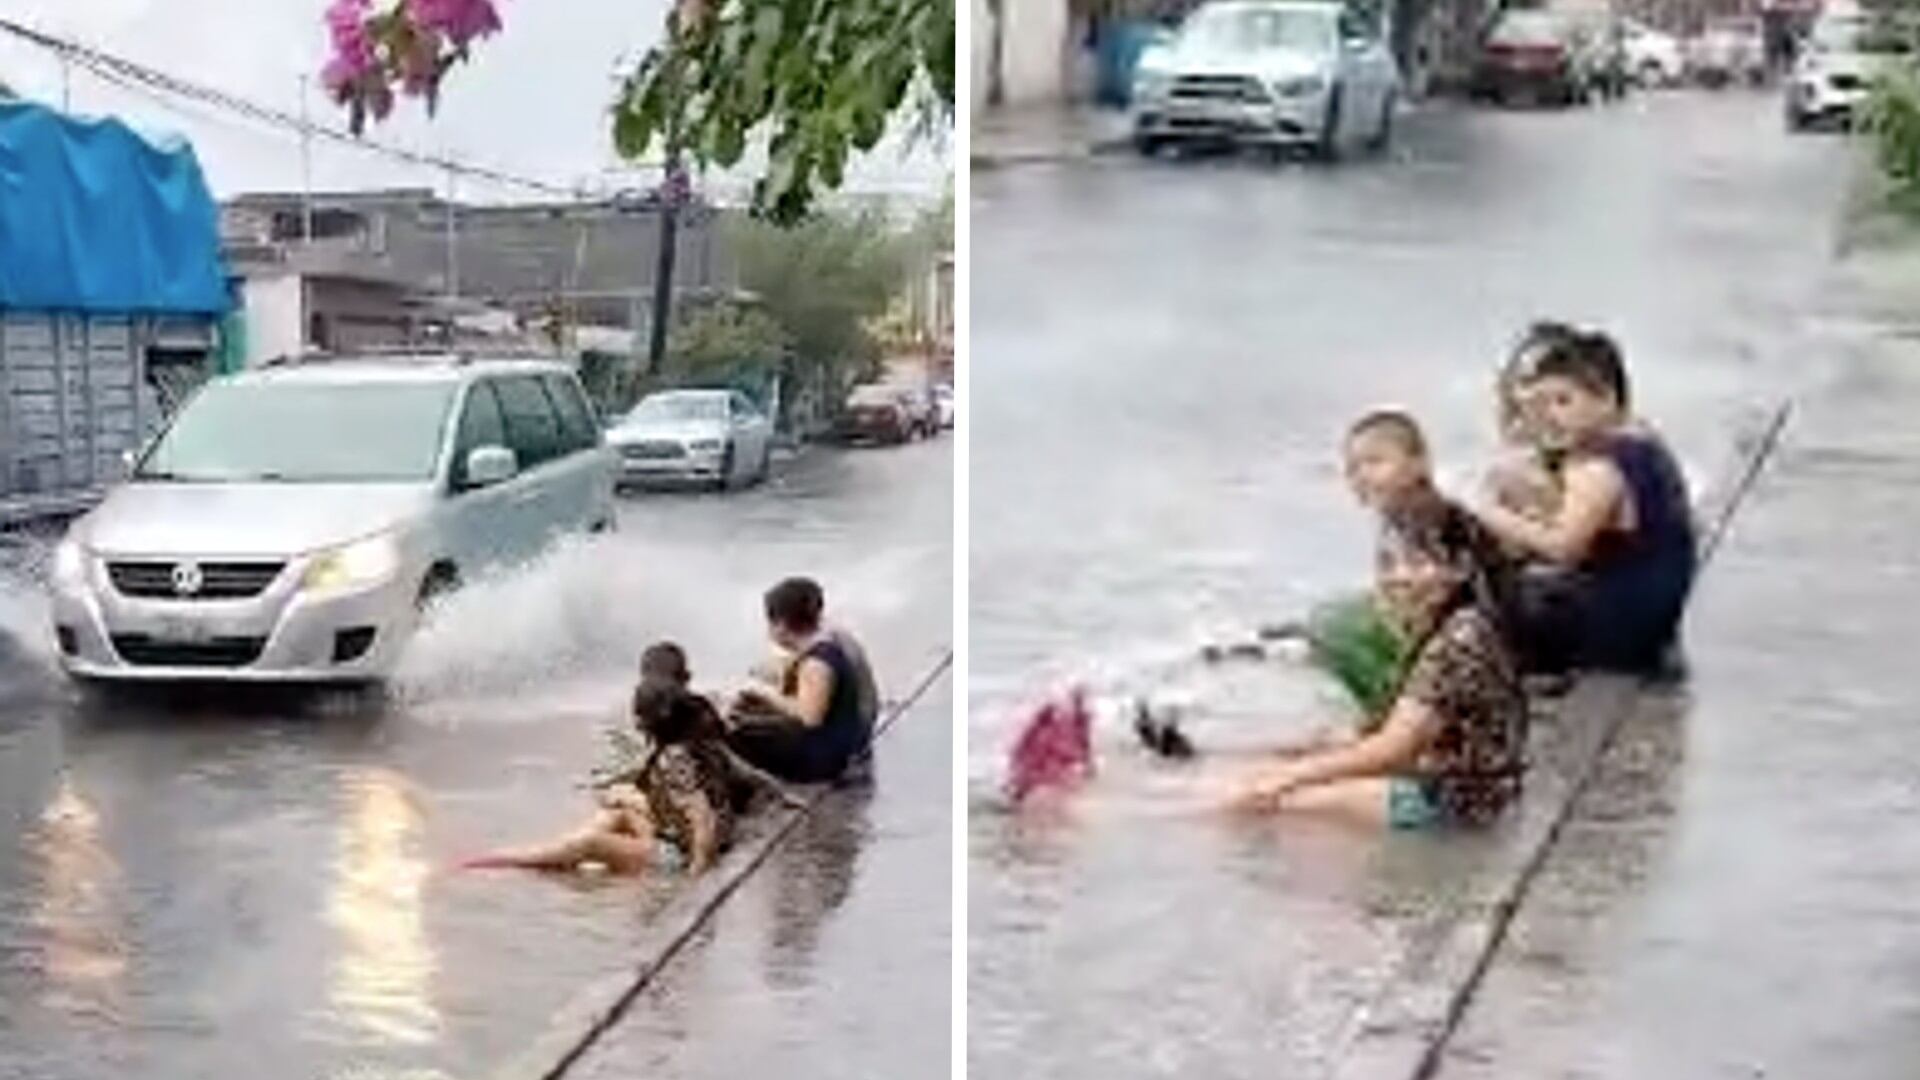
pixel 591 1013
pixel 1076 151
pixel 1402 1033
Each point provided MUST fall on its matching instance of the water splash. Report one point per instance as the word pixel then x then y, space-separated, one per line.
pixel 25 616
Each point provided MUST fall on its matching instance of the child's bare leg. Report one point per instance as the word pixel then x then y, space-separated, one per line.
pixel 607 840
pixel 1360 802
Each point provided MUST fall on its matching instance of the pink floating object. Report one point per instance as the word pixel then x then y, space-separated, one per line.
pixel 1054 749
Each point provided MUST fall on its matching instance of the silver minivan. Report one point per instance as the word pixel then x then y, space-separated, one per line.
pixel 292 523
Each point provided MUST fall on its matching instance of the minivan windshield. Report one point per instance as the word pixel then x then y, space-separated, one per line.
pixel 1251 28
pixel 241 432
pixel 671 408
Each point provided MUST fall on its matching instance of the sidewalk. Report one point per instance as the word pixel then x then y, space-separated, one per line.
pixel 1734 895
pixel 1045 133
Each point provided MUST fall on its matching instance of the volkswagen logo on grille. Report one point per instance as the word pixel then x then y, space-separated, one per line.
pixel 188 579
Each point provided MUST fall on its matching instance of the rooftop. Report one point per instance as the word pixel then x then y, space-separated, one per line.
pixel 400 367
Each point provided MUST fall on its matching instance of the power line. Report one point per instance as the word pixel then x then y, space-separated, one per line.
pixel 121 72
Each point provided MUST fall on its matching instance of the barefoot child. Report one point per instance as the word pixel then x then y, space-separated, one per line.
pixel 1450 744
pixel 679 803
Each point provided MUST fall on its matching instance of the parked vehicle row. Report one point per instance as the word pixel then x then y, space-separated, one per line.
pixel 1570 54
pixel 1654 57
pixel 890 413
pixel 1542 57
pixel 1732 49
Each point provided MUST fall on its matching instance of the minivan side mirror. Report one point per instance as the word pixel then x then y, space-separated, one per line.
pixel 490 465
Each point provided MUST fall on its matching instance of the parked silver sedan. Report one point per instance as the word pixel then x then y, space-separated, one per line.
pixel 1272 73
pixel 717 438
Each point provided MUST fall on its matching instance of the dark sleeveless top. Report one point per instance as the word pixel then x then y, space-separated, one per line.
pixel 843 732
pixel 1663 512
pixel 1640 577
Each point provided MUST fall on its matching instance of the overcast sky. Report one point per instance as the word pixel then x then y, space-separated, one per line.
pixel 533 102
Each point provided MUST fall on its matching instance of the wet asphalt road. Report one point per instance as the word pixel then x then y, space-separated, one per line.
pixel 216 886
pixel 1164 355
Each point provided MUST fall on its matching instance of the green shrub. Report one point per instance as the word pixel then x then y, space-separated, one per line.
pixel 1892 119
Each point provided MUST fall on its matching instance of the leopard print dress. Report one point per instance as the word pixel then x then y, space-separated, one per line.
pixel 1465 674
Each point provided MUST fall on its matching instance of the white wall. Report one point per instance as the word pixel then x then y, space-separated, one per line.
pixel 276 318
pixel 1034 51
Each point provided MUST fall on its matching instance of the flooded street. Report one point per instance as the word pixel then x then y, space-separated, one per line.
pixel 1180 345
pixel 212 885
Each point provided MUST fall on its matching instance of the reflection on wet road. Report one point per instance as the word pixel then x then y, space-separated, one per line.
pixel 382 963
pixel 209 884
pixel 1164 356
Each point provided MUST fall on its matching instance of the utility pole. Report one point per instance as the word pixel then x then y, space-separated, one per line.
pixel 306 167
pixel 674 188
pixel 672 193
pixel 453 243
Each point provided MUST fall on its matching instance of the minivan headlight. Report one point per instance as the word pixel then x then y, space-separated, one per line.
pixel 1151 85
pixel 70 563
pixel 363 562
pixel 704 446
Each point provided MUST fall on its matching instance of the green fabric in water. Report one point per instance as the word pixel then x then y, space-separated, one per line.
pixel 1352 640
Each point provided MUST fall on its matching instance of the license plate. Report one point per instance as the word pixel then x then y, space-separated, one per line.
pixel 185 631
pixel 1203 111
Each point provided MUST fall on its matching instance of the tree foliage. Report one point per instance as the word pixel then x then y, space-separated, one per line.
pixel 816 80
pixel 823 281
pixel 819 79
pixel 716 337
pixel 1892 112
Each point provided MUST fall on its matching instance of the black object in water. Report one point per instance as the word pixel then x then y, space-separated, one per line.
pixel 1161 736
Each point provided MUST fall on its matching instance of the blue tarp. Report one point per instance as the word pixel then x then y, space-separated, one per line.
pixel 94 218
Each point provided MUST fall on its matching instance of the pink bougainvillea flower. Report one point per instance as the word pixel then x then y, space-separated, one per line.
pixel 460 20
pixel 1054 749
pixel 381 47
pixel 353 55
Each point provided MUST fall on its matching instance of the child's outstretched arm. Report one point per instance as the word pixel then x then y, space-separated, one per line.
pixel 1409 729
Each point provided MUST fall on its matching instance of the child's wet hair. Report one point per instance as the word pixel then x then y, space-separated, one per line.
pixel 664 661
pixel 1589 358
pixel 796 604
pixel 1396 424
pixel 666 712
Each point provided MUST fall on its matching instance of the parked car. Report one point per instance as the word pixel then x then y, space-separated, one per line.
pixel 923 408
pixel 1537 55
pixel 292 523
pixel 1654 58
pixel 943 397
pixel 877 412
pixel 1843 52
pixel 1275 74
pixel 1733 48
pixel 717 438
